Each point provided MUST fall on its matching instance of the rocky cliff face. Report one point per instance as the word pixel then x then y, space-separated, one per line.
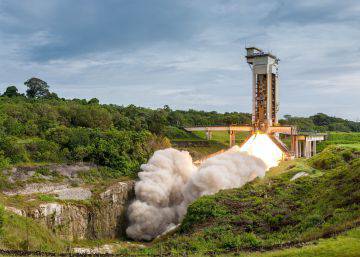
pixel 107 219
pixel 103 217
pixel 68 221
pixel 59 197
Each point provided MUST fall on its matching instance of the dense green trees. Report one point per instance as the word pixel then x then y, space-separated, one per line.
pixel 321 123
pixel 44 128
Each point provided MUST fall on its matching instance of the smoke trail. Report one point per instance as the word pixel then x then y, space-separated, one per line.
pixel 169 182
pixel 159 193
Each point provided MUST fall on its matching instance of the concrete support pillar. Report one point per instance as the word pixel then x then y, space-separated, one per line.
pixel 314 148
pixel 302 148
pixel 295 146
pixel 307 148
pixel 232 138
pixel 208 135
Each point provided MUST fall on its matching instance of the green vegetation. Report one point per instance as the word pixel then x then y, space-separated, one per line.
pixel 275 211
pixel 202 149
pixel 197 145
pixel 292 166
pixel 100 174
pixel 321 123
pixel 2 212
pixel 24 233
pixel 351 139
pixel 333 157
pixel 38 128
pixel 223 136
pixel 46 198
pixel 345 245
pixel 42 128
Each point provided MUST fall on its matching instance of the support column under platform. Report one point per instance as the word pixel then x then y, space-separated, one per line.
pixel 232 138
pixel 294 146
pixel 304 145
pixel 208 135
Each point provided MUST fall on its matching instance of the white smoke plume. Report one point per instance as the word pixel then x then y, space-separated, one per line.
pixel 170 181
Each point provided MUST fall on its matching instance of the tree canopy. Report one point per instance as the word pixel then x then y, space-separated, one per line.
pixel 321 122
pixel 36 88
pixel 11 91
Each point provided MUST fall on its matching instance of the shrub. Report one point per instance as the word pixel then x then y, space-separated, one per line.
pixel 4 161
pixel 174 132
pixel 332 157
pixel 43 150
pixel 46 198
pixel 12 150
pixel 202 209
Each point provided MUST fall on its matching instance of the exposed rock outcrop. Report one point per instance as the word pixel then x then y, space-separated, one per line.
pixel 299 175
pixel 65 170
pixel 104 249
pixel 15 210
pixel 75 193
pixel 103 217
pixel 61 191
pixel 66 220
pixel 60 197
pixel 108 217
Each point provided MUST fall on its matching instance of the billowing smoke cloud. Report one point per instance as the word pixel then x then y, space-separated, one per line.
pixel 169 182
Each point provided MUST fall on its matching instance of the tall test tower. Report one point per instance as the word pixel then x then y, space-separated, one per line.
pixel 265 107
pixel 265 84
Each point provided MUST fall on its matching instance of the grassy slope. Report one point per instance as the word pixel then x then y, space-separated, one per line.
pixel 199 152
pixel 15 235
pixel 341 138
pixel 223 136
pixel 196 143
pixel 199 147
pixel 346 245
pixel 276 211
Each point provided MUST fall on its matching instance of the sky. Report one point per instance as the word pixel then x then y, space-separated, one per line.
pixel 185 53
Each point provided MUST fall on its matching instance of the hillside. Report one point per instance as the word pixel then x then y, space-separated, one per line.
pixel 68 169
pixel 351 139
pixel 48 130
pixel 344 245
pixel 276 211
pixel 43 128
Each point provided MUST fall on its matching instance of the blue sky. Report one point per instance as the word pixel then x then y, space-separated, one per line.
pixel 187 54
